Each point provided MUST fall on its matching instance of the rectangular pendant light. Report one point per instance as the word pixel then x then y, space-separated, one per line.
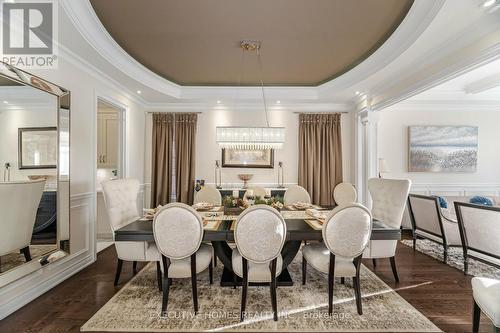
pixel 250 137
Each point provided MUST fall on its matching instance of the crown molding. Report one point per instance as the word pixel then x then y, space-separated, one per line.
pixel 446 105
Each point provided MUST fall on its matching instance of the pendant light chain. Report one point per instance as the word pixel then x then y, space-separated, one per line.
pixel 262 84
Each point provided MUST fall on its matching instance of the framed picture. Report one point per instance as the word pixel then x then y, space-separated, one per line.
pixel 37 147
pixel 443 148
pixel 244 158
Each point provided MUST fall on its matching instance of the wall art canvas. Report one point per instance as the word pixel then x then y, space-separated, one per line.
pixel 247 158
pixel 443 148
pixel 37 147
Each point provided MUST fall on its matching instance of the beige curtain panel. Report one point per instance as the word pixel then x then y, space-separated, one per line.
pixel 162 155
pixel 320 155
pixel 185 149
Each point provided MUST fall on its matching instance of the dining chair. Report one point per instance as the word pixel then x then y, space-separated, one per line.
pixel 258 191
pixel 428 221
pixel 209 194
pixel 259 236
pixel 19 203
pixel 121 201
pixel 178 233
pixel 296 193
pixel 485 294
pixel 346 233
pixel 344 193
pixel 389 198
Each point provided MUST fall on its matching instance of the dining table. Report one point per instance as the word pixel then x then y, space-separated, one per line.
pixel 300 227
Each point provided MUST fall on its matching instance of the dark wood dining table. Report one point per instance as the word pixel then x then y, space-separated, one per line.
pixel 298 230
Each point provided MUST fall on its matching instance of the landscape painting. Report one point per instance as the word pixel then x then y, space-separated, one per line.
pixel 443 148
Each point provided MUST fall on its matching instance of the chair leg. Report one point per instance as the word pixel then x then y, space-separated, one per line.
pixel 466 265
pixel 244 286
pixel 331 282
pixel 445 253
pixel 166 284
pixel 476 318
pixel 211 272
pixel 414 243
pixel 193 282
pixel 374 261
pixel 394 270
pixel 304 270
pixel 273 289
pixel 134 267
pixel 26 252
pixel 342 280
pixel 357 292
pixel 158 275
pixel 118 271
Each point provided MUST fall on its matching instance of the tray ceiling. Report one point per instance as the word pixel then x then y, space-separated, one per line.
pixel 304 42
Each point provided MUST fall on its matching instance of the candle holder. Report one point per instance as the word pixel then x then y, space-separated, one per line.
pixel 280 175
pixel 218 175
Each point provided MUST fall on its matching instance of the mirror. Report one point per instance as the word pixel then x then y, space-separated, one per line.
pixel 34 181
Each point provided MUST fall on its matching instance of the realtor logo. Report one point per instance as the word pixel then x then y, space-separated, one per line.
pixel 28 32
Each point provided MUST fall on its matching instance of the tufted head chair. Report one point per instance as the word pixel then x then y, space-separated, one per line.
pixel 260 234
pixel 347 230
pixel 19 203
pixel 258 191
pixel 296 193
pixel 389 199
pixel 344 193
pixel 120 198
pixel 178 230
pixel 208 194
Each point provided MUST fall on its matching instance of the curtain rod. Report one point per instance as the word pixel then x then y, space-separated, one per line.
pixel 197 112
pixel 312 112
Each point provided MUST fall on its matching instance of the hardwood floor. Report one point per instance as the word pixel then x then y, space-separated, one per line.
pixel 441 293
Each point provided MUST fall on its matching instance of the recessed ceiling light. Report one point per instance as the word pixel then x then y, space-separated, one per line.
pixel 357 93
pixel 218 102
pixel 489 3
pixel 5 102
pixel 278 102
pixel 139 92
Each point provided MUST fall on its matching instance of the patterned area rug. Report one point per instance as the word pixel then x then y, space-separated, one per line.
pixel 15 259
pixel 455 258
pixel 136 307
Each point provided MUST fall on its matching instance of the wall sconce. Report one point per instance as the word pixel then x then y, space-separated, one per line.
pixel 218 175
pixel 280 175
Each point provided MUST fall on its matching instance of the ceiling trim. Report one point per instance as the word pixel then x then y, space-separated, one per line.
pixel 446 105
pixel 484 84
pixel 90 27
pixel 237 106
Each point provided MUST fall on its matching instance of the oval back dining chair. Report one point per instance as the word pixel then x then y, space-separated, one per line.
pixel 259 236
pixel 389 198
pixel 19 203
pixel 209 194
pixel 178 233
pixel 296 193
pixel 346 233
pixel 120 198
pixel 344 193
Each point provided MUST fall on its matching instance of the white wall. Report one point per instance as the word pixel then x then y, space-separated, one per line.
pixel 207 150
pixel 393 145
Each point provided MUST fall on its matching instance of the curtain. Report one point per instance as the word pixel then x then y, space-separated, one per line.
pixel 162 154
pixel 320 155
pixel 185 150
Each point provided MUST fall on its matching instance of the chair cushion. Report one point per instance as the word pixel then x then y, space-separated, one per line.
pixel 181 268
pixel 318 256
pixel 486 294
pixel 256 272
pixel 137 251
pixel 481 201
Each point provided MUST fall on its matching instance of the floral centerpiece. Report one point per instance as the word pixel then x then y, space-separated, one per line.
pixel 233 206
pixel 275 202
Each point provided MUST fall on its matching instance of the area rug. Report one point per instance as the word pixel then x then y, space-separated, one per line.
pixel 455 258
pixel 137 306
pixel 15 259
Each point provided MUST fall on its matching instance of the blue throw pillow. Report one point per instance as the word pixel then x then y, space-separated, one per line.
pixel 442 202
pixel 478 200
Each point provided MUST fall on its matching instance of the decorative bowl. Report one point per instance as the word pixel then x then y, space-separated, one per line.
pixel 245 177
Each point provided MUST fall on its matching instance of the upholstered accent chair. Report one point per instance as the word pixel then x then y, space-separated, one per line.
pixel 389 198
pixel 486 296
pixel 258 191
pixel 259 235
pixel 296 193
pixel 346 233
pixel 344 193
pixel 480 232
pixel 428 221
pixel 120 198
pixel 19 203
pixel 208 194
pixel 178 232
